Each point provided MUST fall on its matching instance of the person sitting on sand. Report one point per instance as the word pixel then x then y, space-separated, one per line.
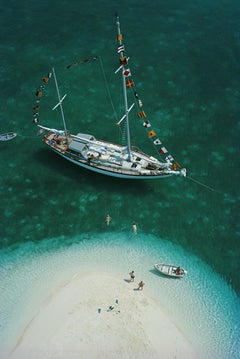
pixel 140 285
pixel 132 276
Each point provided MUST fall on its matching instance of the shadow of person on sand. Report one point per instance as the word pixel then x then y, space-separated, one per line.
pixel 127 280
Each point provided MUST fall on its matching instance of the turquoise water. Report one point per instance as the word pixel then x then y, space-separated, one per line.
pixel 185 63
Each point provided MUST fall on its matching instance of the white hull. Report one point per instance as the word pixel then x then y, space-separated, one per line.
pixel 170 270
pixel 7 136
pixel 107 158
pixel 113 174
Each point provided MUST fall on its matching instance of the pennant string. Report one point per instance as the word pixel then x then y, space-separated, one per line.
pixel 84 61
pixel 152 135
pixel 39 95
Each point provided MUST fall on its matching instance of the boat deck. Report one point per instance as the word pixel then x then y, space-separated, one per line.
pixel 106 156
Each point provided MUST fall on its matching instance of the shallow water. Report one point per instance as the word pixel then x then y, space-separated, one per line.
pixel 201 304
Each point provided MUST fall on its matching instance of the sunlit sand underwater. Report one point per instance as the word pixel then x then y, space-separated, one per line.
pixel 202 305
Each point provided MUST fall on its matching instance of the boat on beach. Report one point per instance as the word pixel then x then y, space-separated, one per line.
pixel 170 270
pixel 112 159
pixel 7 136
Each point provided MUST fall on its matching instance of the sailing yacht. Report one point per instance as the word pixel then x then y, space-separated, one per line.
pixel 106 157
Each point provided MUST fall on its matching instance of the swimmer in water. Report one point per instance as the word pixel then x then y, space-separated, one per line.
pixel 134 228
pixel 108 220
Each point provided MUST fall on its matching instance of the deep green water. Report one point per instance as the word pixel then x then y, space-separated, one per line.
pixel 185 62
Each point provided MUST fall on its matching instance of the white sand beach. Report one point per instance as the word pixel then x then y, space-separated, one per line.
pixel 75 322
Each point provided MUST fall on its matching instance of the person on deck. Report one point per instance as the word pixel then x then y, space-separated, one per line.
pixel 178 271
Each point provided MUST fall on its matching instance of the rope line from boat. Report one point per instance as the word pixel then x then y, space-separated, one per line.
pixel 104 77
pixel 203 184
pixel 94 58
pixel 107 88
pixel 19 135
pixel 11 135
pixel 33 137
pixel 122 131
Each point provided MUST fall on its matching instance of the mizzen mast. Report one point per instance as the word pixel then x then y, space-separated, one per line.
pixel 60 100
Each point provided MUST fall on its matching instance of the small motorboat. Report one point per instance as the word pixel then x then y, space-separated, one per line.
pixel 7 136
pixel 170 270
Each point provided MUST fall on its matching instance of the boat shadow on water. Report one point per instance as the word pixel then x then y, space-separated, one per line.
pixel 59 165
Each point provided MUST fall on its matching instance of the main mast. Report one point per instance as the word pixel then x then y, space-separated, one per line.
pixel 123 61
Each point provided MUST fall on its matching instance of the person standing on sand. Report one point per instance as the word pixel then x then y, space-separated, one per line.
pixel 140 285
pixel 132 276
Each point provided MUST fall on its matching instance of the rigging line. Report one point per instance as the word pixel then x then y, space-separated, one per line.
pixel 203 185
pixel 108 90
pixel 24 136
pixel 122 134
pixel 121 127
pixel 140 108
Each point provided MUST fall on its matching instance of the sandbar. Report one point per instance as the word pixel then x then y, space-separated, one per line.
pixel 75 321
